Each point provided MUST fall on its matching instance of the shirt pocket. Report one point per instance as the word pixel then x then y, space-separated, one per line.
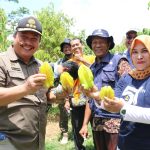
pixel 15 77
pixel 108 76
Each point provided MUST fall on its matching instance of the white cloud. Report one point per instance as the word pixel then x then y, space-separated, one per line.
pixel 117 16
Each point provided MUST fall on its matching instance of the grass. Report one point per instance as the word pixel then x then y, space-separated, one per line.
pixel 54 144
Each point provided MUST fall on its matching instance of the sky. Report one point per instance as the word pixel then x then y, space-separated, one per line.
pixel 116 16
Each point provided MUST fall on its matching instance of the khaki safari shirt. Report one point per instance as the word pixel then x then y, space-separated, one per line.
pixel 22 121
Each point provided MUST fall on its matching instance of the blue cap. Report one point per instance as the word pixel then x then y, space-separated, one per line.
pixel 100 33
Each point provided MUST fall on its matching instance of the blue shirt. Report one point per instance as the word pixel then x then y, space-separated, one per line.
pixel 134 136
pixel 105 73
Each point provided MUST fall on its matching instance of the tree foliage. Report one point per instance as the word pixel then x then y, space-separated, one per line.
pixel 119 49
pixel 148 5
pixel 8 24
pixel 3 31
pixel 16 1
pixel 15 15
pixel 145 31
pixel 56 27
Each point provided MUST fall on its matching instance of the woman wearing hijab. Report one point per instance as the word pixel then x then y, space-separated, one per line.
pixel 133 99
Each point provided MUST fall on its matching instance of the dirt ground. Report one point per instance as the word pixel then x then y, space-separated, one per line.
pixel 52 130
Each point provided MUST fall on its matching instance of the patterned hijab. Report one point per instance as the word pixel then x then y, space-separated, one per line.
pixel 139 75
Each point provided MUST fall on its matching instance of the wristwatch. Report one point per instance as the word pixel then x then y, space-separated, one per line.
pixel 123 112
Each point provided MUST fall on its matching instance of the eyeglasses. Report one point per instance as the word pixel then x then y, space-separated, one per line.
pixel 131 37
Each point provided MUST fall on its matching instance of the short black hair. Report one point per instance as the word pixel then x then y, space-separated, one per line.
pixel 72 68
pixel 76 38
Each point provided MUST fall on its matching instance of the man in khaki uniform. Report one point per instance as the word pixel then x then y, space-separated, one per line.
pixel 23 98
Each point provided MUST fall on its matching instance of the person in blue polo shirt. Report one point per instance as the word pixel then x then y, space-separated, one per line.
pixel 134 103
pixel 105 125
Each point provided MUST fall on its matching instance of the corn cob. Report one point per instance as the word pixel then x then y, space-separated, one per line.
pixel 106 91
pixel 46 69
pixel 85 77
pixel 66 80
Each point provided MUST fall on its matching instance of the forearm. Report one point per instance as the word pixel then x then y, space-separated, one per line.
pixel 87 114
pixel 8 95
pixel 137 114
pixel 32 84
pixel 86 63
pixel 56 94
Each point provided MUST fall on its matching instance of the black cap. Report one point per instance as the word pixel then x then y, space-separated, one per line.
pixel 66 41
pixel 29 24
pixel 100 33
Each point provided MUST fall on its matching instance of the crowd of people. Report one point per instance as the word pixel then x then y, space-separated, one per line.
pixel 121 123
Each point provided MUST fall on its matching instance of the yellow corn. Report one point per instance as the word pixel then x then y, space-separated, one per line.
pixel 85 77
pixel 106 91
pixel 66 80
pixel 46 69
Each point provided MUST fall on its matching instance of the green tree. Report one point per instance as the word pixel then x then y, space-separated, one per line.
pixel 56 27
pixel 145 31
pixel 16 1
pixel 15 15
pixel 119 48
pixel 3 31
pixel 148 5
pixel 8 24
